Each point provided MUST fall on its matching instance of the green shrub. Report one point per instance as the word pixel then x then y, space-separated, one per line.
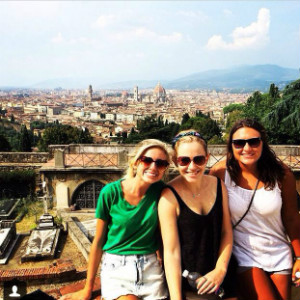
pixel 17 183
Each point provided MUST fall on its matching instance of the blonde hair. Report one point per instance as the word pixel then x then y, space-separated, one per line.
pixel 187 136
pixel 140 149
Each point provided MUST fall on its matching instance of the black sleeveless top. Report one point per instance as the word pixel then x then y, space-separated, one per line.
pixel 199 235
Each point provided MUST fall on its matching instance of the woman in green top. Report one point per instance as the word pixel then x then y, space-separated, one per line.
pixel 126 240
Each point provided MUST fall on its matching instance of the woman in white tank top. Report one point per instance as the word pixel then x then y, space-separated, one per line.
pixel 261 237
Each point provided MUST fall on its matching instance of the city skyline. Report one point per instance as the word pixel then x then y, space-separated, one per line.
pixel 131 40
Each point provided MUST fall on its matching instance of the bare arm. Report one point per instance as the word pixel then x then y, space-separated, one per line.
pixel 167 212
pixel 212 280
pixel 291 217
pixel 218 170
pixel 93 264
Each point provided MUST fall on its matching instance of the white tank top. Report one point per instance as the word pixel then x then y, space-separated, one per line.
pixel 260 239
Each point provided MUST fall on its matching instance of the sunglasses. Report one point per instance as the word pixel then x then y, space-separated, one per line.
pixel 159 163
pixel 240 143
pixel 185 160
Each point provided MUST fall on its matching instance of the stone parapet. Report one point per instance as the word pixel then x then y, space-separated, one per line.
pixel 24 157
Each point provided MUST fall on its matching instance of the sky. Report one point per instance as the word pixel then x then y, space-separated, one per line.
pixel 142 40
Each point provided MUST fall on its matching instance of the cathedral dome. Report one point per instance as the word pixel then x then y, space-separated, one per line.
pixel 159 90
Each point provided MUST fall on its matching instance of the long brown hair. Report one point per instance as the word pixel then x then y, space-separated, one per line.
pixel 270 168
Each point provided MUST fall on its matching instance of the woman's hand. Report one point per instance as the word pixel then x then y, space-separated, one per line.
pixel 83 294
pixel 296 268
pixel 210 282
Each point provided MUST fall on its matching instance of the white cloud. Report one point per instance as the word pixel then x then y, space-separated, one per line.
pixel 255 35
pixel 57 39
pixel 144 33
pixel 104 21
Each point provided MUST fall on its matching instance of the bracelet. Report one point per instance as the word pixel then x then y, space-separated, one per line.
pixel 297 257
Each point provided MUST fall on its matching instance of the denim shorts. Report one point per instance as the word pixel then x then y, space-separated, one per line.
pixel 139 275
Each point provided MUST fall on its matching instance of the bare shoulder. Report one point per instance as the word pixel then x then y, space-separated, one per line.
pixel 218 169
pixel 167 194
pixel 210 179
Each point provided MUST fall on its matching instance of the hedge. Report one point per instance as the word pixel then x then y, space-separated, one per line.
pixel 17 183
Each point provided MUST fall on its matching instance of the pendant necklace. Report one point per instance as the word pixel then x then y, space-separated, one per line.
pixel 195 195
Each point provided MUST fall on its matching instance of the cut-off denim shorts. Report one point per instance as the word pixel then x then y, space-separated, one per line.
pixel 139 275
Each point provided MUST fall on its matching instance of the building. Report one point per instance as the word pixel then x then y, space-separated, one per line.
pixel 90 93
pixel 159 94
pixel 136 94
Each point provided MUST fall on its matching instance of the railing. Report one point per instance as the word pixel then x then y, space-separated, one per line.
pixel 291 161
pixel 82 156
pixel 91 160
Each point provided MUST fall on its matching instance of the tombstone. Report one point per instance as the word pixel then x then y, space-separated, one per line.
pixel 8 208
pixel 88 227
pixel 8 239
pixel 43 240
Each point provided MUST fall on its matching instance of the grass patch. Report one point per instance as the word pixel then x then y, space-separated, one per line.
pixel 33 210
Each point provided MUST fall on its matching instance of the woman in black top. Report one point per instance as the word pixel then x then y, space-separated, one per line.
pixel 195 223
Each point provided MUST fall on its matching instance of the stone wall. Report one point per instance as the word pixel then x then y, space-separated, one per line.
pixel 43 157
pixel 24 157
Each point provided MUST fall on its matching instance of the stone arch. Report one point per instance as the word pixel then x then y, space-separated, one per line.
pixel 86 194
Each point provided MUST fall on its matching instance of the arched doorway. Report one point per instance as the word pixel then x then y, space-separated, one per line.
pixel 86 195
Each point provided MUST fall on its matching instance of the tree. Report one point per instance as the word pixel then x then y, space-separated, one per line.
pixel 37 125
pixel 185 118
pixel 84 136
pixel 207 127
pixel 273 91
pixel 4 144
pixel 160 122
pixel 25 141
pixel 283 121
pixel 233 107
pixel 63 135
pixel 124 135
pixel 232 118
pixel 2 112
pixel 149 129
pixel 200 114
pixel 12 118
pixel 147 124
pixel 253 106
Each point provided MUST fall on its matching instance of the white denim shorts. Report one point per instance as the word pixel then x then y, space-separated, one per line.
pixel 139 275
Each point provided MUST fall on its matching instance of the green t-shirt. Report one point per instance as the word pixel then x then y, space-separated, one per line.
pixel 132 229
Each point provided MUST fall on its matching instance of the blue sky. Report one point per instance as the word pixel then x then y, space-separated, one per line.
pixel 154 40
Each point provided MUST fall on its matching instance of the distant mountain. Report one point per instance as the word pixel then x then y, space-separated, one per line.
pixel 247 78
pixel 241 78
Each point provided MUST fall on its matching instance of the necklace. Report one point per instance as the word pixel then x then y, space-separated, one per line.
pixel 195 195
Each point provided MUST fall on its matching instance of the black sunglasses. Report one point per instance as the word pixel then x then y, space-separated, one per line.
pixel 240 143
pixel 159 163
pixel 185 160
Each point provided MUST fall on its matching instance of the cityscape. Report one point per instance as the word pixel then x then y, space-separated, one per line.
pixel 106 114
